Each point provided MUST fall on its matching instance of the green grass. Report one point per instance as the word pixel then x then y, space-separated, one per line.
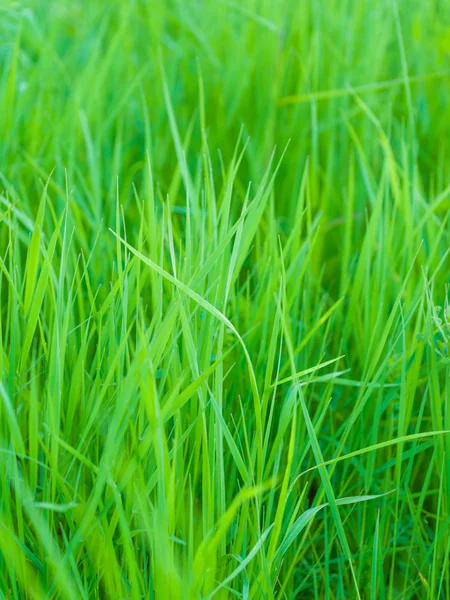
pixel 224 320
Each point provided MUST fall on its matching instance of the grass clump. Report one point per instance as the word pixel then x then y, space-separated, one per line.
pixel 223 244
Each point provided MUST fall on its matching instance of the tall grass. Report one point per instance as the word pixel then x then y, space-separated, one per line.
pixel 224 340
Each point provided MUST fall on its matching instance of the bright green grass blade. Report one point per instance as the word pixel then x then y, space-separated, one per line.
pixel 328 488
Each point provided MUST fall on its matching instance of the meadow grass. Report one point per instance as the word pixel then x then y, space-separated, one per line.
pixel 224 340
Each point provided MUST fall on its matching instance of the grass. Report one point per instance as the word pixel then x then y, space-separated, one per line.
pixel 224 340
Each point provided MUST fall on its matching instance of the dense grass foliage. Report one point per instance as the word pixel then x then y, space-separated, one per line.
pixel 224 337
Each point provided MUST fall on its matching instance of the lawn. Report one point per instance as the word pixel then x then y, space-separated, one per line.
pixel 224 318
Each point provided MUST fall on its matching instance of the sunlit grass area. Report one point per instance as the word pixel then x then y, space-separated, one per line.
pixel 224 319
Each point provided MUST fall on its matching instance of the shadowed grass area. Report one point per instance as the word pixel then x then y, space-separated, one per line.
pixel 224 319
